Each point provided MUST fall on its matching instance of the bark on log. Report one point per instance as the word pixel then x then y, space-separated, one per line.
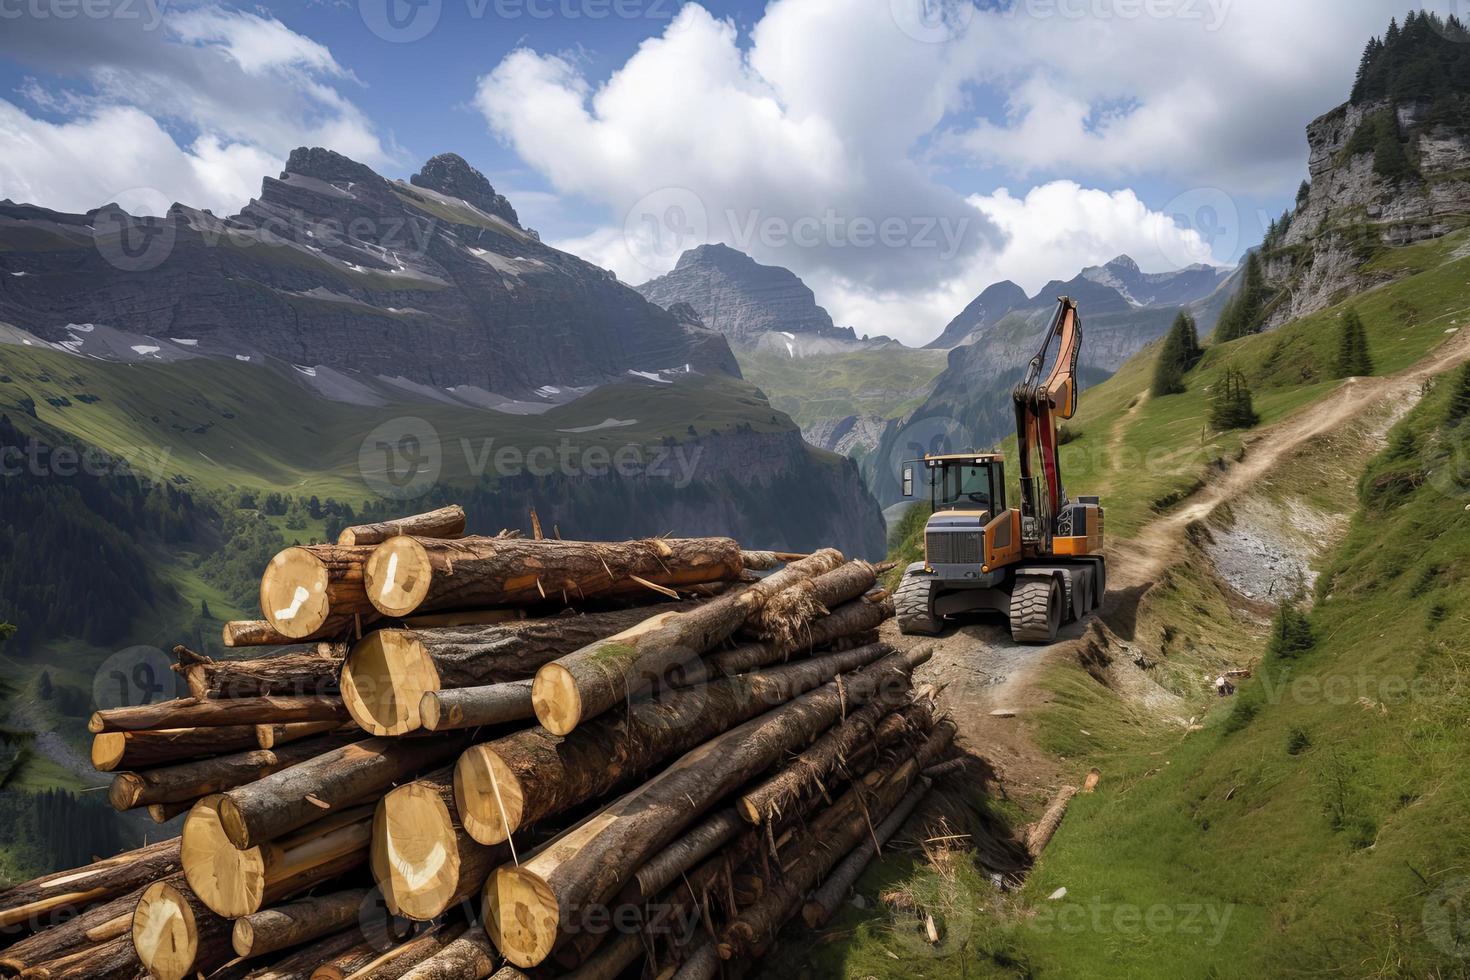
pixel 506 784
pixel 407 575
pixel 393 963
pixel 112 751
pixel 234 882
pixel 527 908
pixel 274 736
pixel 807 771
pixel 164 812
pixel 446 522
pixel 113 959
pixel 293 672
pixel 784 616
pixel 833 892
pixel 848 619
pixel 192 712
pixel 296 796
pixel 386 675
pixel 942 769
pixel 582 685
pixel 1043 830
pixel 296 922
pixel 65 892
pixel 665 867
pixel 98 924
pixel 703 965
pixel 306 586
pixel 471 707
pixel 464 617
pixel 422 858
pixel 260 633
pixel 300 964
pixel 176 935
pixel 191 780
pixel 470 957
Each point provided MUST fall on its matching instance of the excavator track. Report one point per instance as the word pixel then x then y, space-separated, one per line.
pixel 1036 611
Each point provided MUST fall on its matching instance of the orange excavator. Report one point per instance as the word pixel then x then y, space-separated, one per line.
pixel 1040 564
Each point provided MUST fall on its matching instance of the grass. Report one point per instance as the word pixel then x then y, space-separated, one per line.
pixel 885 383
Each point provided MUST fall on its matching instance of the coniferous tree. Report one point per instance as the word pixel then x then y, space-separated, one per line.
pixel 1353 359
pixel 1244 314
pixel 1291 633
pixel 1179 353
pixel 1231 407
pixel 1303 193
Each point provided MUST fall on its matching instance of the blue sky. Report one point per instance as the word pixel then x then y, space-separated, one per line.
pixel 1017 140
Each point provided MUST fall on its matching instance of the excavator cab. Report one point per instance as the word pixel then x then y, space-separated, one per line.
pixel 965 482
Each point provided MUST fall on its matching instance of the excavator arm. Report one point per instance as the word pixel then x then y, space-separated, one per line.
pixel 1040 402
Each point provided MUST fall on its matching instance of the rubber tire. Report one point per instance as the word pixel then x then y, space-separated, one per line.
pixel 913 607
pixel 1036 609
pixel 1100 585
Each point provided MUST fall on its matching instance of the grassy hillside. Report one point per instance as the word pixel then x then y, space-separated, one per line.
pixel 884 383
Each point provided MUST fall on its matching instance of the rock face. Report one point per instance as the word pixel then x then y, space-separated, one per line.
pixel 985 310
pixel 741 298
pixel 1353 208
pixel 432 281
pixel 854 436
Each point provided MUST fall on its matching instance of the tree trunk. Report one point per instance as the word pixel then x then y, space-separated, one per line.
pixel 112 751
pixel 388 672
pixel 472 707
pixel 176 935
pixel 665 867
pixel 848 619
pixel 191 712
pixel 67 891
pixel 395 962
pixel 235 882
pixel 1043 830
pixel 294 797
pixel 164 812
pixel 113 959
pixel 508 783
pixel 297 922
pixel 300 964
pixel 191 780
pixel 98 924
pixel 407 575
pixel 810 768
pixel 582 685
pixel 274 736
pixel 306 586
pixel 260 633
pixel 446 522
pixel 784 616
pixel 833 892
pixel 470 957
pixel 703 965
pixel 292 672
pixel 422 858
pixel 527 908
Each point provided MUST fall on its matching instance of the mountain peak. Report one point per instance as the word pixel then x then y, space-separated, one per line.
pixel 328 165
pixel 1123 262
pixel 714 253
pixel 450 173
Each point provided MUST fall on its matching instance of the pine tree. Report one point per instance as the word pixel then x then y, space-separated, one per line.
pixel 1291 633
pixel 1243 315
pixel 1179 352
pixel 1232 407
pixel 1353 359
pixel 1459 408
pixel 204 612
pixel 1303 193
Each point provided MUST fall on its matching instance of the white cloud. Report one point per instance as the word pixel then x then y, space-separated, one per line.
pixel 196 111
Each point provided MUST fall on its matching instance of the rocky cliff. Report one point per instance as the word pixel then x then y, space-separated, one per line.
pixel 432 280
pixel 741 298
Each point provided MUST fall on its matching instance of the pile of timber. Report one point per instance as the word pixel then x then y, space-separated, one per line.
pixel 472 756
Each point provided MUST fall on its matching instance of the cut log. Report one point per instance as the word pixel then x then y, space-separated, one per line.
pixel 704 964
pixel 306 586
pixel 112 959
pixel 297 922
pixel 582 685
pixel 407 575
pixel 446 522
pixel 164 812
pixel 1044 829
pixel 234 882
pixel 293 672
pixel 785 616
pixel 393 963
pixel 528 907
pixel 176 935
pixel 260 633
pixel 300 964
pixel 833 892
pixel 191 780
pixel 112 751
pixel 99 924
pixel 422 857
pixel 272 736
pixel 665 867
pixel 294 797
pixel 806 772
pixel 65 892
pixel 946 768
pixel 470 957
pixel 471 707
pixel 388 672
pixel 846 620
pixel 192 712
pixel 506 784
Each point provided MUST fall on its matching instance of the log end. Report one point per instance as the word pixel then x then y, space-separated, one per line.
pixel 293 593
pixel 384 679
pixel 107 750
pixel 414 854
pixel 397 575
pixel 522 916
pixel 165 932
pixel 229 880
pixel 430 715
pixel 488 795
pixel 556 700
pixel 95 724
pixel 125 791
pixel 242 938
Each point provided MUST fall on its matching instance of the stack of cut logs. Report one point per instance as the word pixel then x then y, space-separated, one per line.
pixel 488 755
